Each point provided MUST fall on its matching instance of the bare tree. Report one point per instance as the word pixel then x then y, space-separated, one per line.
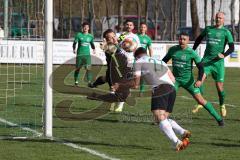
pixel 107 12
pixel 61 18
pixel 205 13
pixel 82 10
pixel 172 20
pixel 176 18
pixel 138 13
pixel 156 18
pixel 239 22
pixel 70 18
pixel 91 14
pixel 213 12
pixel 164 28
pixel 120 16
pixel 220 6
pixel 146 11
pixel 232 8
pixel 195 19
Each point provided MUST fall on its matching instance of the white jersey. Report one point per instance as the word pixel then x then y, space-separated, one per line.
pixel 153 71
pixel 130 55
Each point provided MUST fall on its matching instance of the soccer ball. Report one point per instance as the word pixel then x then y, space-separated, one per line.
pixel 129 44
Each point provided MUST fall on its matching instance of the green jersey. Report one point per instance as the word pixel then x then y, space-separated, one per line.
pixel 216 39
pixel 145 40
pixel 182 60
pixel 83 41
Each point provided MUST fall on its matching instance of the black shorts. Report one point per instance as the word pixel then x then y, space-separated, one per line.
pixel 163 97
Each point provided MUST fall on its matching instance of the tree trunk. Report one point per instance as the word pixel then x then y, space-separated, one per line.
pixel 176 19
pixel 70 19
pixel 156 19
pixel 232 8
pixel 146 11
pixel 220 6
pixel 107 12
pixel 61 18
pixel 164 28
pixel 213 12
pixel 239 23
pixel 120 16
pixel 91 14
pixel 172 19
pixel 195 21
pixel 82 11
pixel 205 13
pixel 138 13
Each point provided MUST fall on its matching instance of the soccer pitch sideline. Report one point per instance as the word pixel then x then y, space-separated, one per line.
pixel 129 135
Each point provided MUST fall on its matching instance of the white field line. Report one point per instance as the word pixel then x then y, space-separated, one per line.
pixel 190 98
pixel 72 145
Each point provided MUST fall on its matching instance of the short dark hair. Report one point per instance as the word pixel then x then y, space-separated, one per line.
pixel 128 20
pixel 85 24
pixel 139 51
pixel 106 32
pixel 143 23
pixel 183 34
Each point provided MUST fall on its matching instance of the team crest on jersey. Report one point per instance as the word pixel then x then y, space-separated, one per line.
pixel 183 57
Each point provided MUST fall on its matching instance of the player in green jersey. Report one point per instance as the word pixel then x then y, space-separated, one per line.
pixel 182 60
pixel 216 39
pixel 146 43
pixel 84 40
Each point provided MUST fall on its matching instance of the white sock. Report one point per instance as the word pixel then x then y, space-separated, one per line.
pixel 176 127
pixel 120 104
pixel 166 127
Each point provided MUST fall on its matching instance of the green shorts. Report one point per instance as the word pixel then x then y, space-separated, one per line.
pixel 189 86
pixel 83 60
pixel 217 71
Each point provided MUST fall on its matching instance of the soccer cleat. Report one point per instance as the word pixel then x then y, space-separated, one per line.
pixel 221 123
pixel 91 85
pixel 76 83
pixel 182 144
pixel 223 110
pixel 186 134
pixel 197 107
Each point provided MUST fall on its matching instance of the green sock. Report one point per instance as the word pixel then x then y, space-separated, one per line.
pixel 209 107
pixel 76 75
pixel 221 96
pixel 89 76
pixel 142 86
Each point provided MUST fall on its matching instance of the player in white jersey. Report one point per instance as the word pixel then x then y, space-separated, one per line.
pixel 128 33
pixel 158 75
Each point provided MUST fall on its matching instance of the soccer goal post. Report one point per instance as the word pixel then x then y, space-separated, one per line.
pixel 48 100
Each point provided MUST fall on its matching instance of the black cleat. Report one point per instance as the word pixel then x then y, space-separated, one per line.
pixel 221 123
pixel 91 85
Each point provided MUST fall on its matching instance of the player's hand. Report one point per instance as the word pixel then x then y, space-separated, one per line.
pixel 94 51
pixel 115 87
pixel 220 55
pixel 198 84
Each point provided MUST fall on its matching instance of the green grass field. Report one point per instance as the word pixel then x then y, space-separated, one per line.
pixel 128 135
